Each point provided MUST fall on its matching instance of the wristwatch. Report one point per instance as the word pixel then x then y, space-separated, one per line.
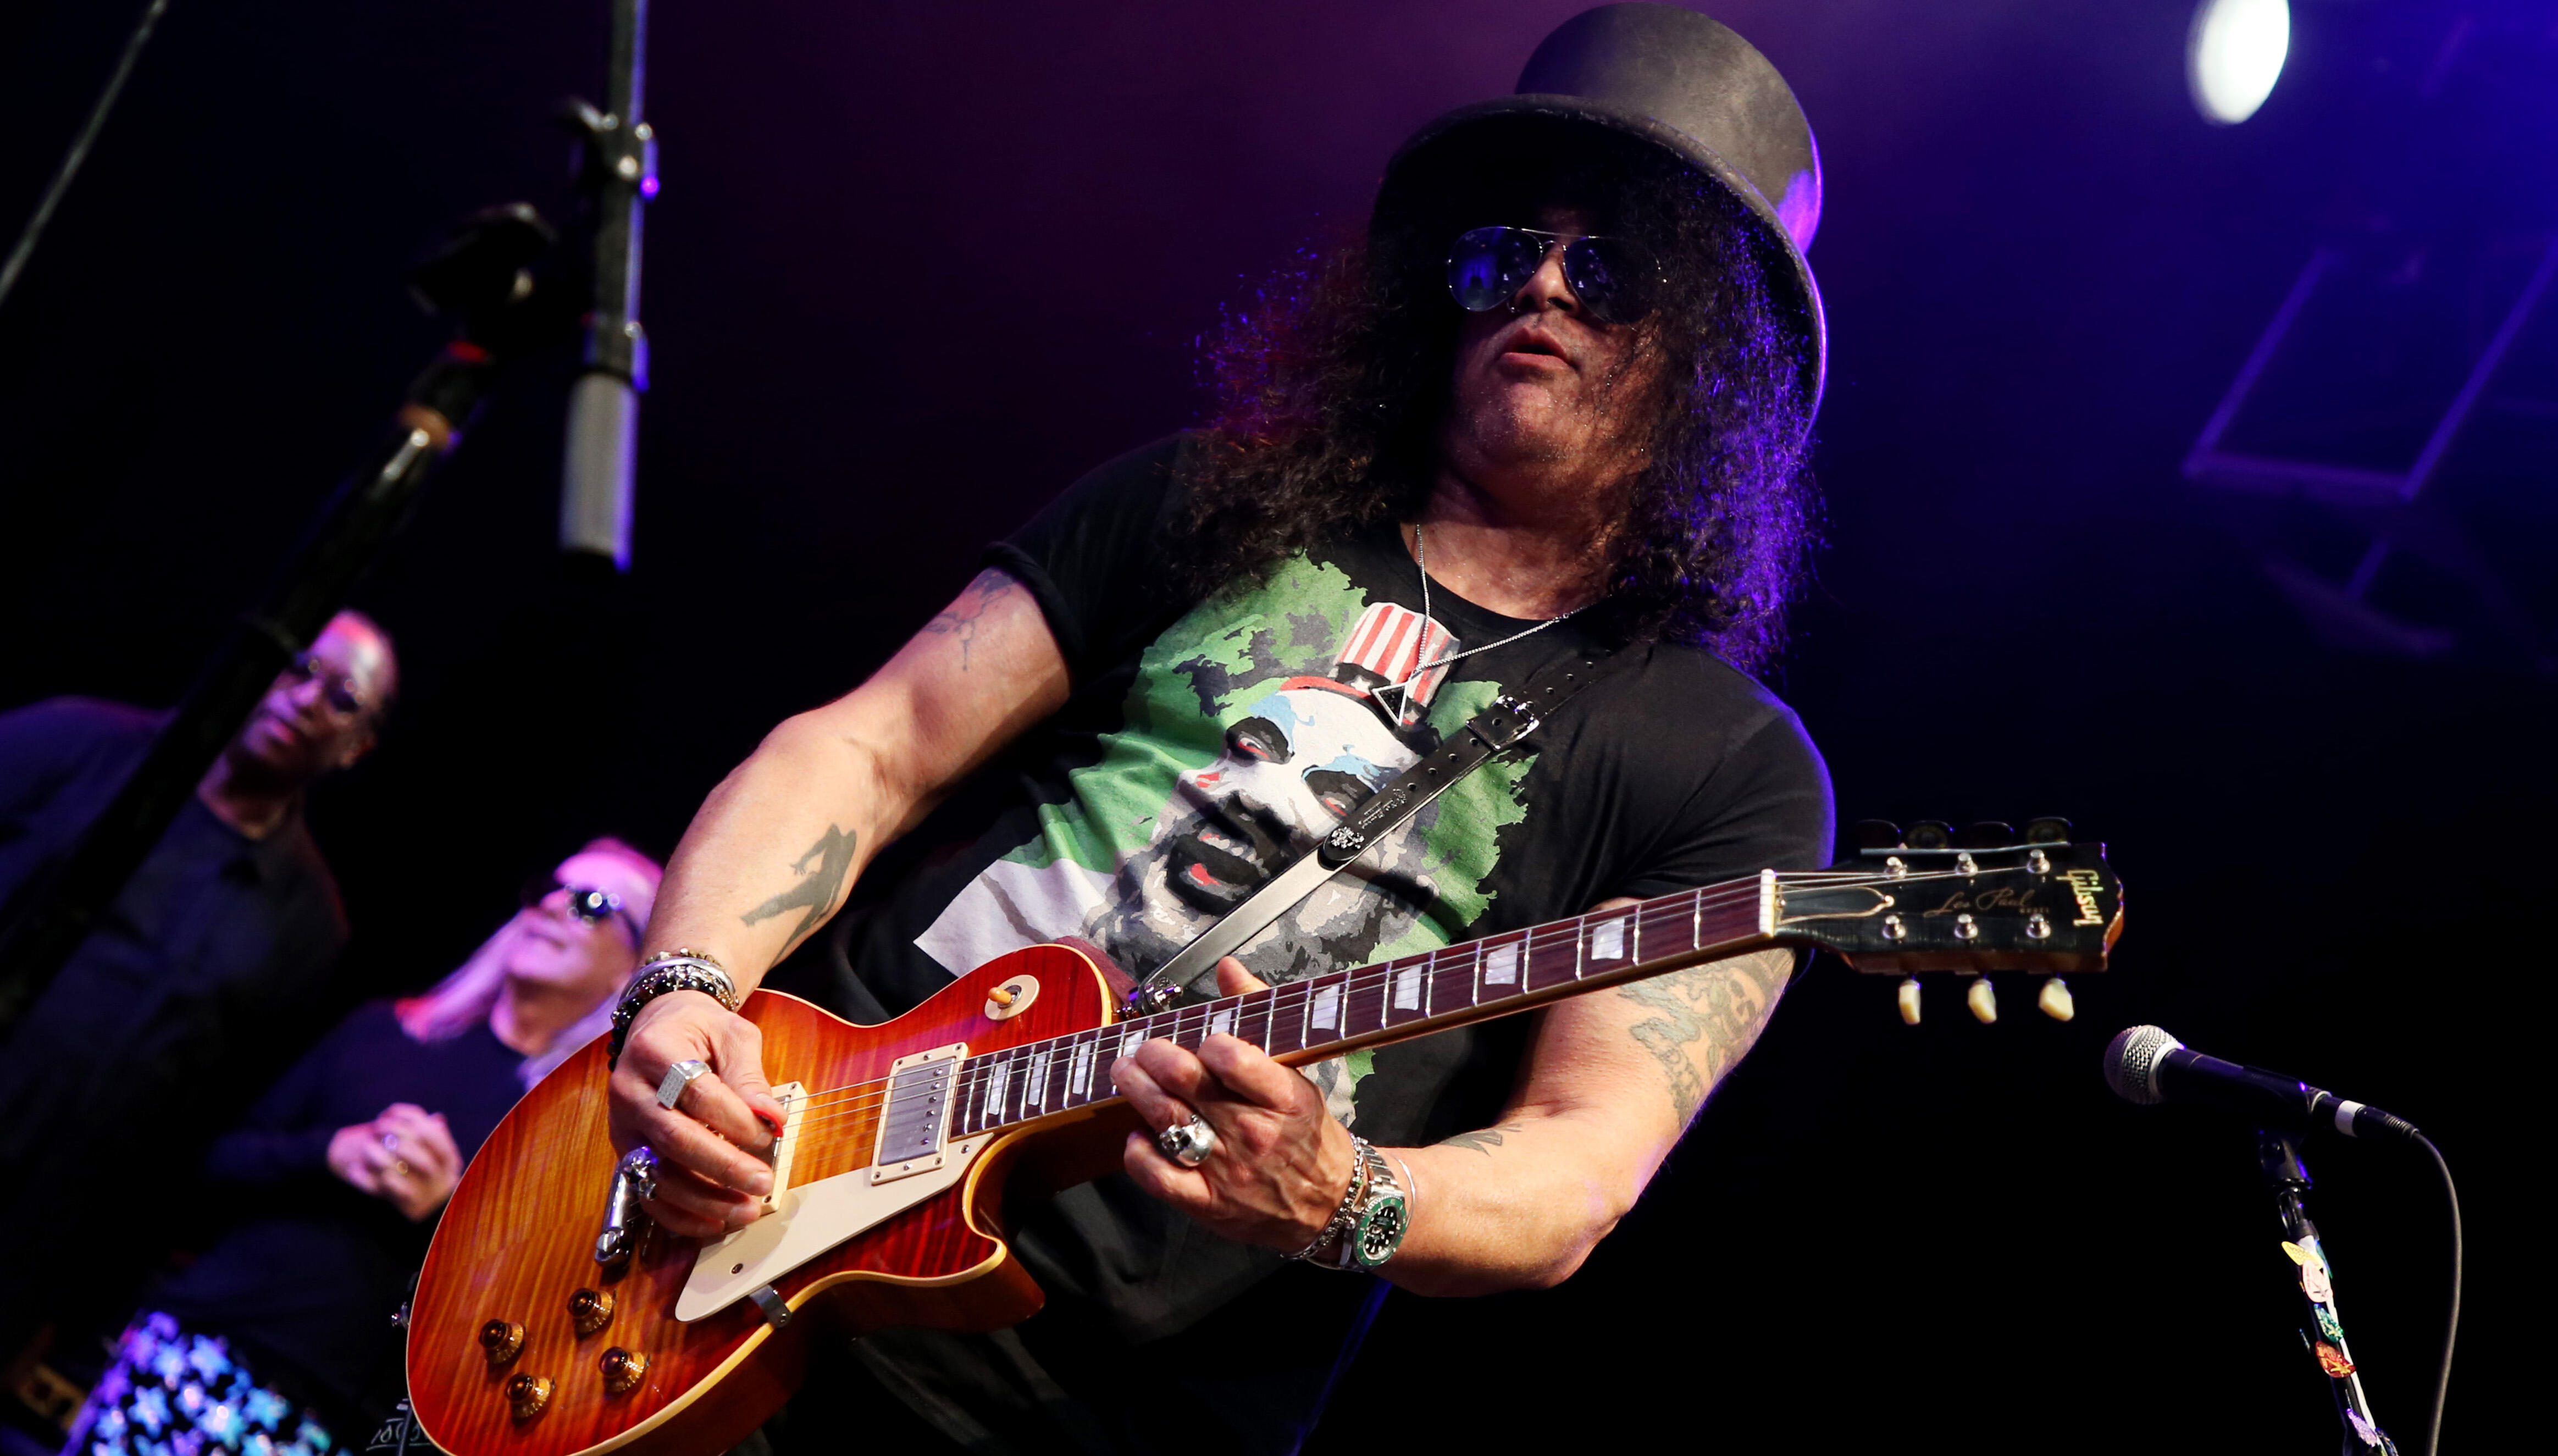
pixel 1382 1218
pixel 1370 1223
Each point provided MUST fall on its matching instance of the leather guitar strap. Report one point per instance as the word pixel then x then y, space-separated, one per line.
pixel 1497 729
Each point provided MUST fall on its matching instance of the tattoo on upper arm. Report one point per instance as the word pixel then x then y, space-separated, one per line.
pixel 1720 1004
pixel 1482 1139
pixel 817 888
pixel 963 615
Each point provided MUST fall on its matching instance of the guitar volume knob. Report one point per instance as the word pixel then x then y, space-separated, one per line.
pixel 528 1396
pixel 502 1341
pixel 590 1310
pixel 623 1370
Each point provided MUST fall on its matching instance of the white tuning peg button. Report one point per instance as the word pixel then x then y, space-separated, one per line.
pixel 1909 1000
pixel 2054 1000
pixel 1982 1000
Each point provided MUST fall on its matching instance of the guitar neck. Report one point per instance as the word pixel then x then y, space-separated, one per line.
pixel 1342 1011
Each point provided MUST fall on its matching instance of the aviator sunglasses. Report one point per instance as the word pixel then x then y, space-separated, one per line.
pixel 1486 267
pixel 590 905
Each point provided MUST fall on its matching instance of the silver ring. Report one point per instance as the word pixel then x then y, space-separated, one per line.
pixel 1187 1143
pixel 390 1142
pixel 640 1168
pixel 671 1089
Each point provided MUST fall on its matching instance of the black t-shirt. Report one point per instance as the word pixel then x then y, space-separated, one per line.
pixel 1205 744
pixel 188 996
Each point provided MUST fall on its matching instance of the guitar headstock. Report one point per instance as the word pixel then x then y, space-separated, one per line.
pixel 1985 899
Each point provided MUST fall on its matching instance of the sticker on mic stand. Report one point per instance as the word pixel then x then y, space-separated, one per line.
pixel 2333 1360
pixel 2327 1323
pixel 2314 1281
pixel 2370 1434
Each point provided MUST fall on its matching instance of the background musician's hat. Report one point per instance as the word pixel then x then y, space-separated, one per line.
pixel 1654 79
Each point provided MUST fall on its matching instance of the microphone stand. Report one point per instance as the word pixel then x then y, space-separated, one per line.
pixel 618 177
pixel 2279 1155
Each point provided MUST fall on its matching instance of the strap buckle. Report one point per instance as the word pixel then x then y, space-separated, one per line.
pixel 1509 719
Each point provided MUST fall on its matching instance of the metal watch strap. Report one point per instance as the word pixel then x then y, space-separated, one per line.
pixel 1511 719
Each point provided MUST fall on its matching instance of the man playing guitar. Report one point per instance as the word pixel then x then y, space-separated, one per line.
pixel 1556 408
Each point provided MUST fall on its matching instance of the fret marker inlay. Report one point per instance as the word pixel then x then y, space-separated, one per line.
pixel 1607 940
pixel 1407 988
pixel 1501 966
pixel 1326 1010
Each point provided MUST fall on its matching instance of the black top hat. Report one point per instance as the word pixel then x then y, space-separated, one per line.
pixel 1684 84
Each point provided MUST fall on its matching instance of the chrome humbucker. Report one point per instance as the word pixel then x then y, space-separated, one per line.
pixel 917 1113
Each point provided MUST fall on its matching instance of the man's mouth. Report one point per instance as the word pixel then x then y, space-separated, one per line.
pixel 1535 342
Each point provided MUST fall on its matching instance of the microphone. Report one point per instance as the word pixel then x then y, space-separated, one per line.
pixel 2144 1064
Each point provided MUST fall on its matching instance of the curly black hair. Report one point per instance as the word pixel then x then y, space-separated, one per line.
pixel 1331 384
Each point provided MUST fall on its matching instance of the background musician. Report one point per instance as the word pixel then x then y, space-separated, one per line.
pixel 280 1331
pixel 194 986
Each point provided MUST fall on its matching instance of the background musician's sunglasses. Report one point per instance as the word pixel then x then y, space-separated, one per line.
pixel 1486 267
pixel 590 906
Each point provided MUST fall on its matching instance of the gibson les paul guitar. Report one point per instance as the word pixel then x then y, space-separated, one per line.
pixel 551 1319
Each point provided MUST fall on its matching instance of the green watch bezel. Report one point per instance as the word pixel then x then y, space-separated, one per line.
pixel 1388 1217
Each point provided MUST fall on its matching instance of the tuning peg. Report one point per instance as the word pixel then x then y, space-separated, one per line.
pixel 2047 832
pixel 1987 834
pixel 1982 1000
pixel 1909 1000
pixel 1877 834
pixel 1930 835
pixel 2055 1001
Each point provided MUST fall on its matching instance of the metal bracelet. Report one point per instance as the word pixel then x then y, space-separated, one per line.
pixel 664 977
pixel 1345 1216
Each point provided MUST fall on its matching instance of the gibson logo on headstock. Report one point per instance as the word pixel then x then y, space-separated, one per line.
pixel 2084 885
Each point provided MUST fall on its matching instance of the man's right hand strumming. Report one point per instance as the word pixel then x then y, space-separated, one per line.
pixel 710 1178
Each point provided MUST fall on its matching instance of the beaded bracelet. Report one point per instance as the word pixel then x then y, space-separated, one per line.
pixel 676 971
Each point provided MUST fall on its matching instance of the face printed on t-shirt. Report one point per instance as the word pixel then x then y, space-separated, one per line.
pixel 1299 761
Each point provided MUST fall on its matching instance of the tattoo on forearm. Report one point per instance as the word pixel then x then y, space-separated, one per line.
pixel 1722 1004
pixel 815 893
pixel 1482 1139
pixel 963 616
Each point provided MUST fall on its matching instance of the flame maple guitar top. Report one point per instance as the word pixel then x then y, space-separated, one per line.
pixel 518 1239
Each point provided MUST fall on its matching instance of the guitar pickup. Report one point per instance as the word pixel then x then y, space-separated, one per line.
pixel 916 1115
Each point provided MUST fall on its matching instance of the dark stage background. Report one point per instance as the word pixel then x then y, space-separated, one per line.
pixel 915 266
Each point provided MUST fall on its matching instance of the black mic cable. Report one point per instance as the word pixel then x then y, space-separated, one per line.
pixel 2145 1065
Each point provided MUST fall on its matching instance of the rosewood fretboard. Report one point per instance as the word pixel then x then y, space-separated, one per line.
pixel 1343 1010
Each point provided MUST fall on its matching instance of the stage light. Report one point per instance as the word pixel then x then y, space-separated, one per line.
pixel 2233 54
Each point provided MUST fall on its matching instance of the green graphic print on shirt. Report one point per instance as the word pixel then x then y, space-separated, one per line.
pixel 1254 723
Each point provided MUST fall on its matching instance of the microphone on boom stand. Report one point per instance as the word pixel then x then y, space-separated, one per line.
pixel 2145 1065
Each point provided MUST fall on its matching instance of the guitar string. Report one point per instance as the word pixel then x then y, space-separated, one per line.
pixel 1184 1020
pixel 857 1098
pixel 1539 937
pixel 834 1099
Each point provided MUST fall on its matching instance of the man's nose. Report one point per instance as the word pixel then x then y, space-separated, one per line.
pixel 1546 288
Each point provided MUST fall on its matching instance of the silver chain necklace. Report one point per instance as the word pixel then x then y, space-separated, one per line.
pixel 1421 559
